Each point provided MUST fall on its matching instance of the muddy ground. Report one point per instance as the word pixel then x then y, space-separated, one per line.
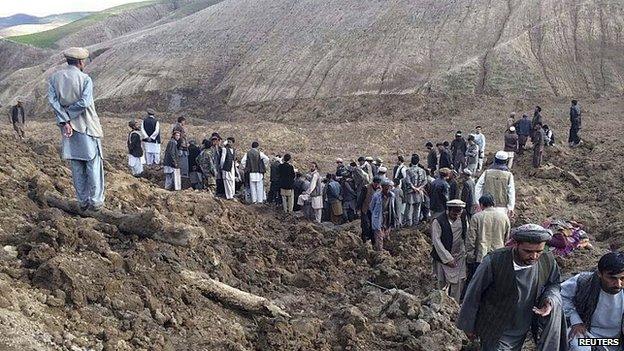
pixel 78 283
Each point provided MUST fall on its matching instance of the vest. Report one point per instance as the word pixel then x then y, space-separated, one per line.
pixel 135 149
pixel 317 188
pixel 447 234
pixel 149 124
pixel 254 163
pixel 498 300
pixel 69 84
pixel 228 164
pixel 586 296
pixel 495 183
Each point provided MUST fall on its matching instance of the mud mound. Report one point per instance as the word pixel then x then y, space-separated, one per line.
pixel 85 282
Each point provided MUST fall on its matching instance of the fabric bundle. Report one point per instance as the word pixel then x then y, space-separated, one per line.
pixel 567 236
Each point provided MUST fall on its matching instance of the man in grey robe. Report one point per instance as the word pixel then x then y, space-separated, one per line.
pixel 514 290
pixel 70 94
pixel 413 185
pixel 594 303
pixel 448 233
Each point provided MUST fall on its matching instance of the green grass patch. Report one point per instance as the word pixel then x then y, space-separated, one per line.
pixel 48 38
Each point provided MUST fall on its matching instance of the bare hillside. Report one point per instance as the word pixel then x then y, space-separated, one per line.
pixel 239 52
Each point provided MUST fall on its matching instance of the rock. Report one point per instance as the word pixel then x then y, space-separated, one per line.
pixel 387 276
pixel 54 301
pixel 354 316
pixel 10 250
pixel 403 330
pixel 348 335
pixel 572 178
pixel 301 280
pixel 159 317
pixel 386 330
pixel 419 327
pixel 402 304
pixel 547 172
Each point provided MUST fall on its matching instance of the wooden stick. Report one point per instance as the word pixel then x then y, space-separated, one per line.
pixel 231 296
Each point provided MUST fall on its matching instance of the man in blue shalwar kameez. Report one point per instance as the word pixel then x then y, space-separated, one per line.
pixel 70 93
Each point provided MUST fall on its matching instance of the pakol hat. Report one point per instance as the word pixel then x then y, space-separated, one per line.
pixel 382 170
pixel 502 155
pixel 456 203
pixel 386 182
pixel 76 53
pixel 531 233
pixel 150 111
pixel 339 160
pixel 369 159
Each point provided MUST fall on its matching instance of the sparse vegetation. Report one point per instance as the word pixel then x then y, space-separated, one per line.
pixel 49 38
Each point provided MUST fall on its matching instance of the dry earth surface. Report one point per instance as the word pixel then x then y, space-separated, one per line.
pixel 72 282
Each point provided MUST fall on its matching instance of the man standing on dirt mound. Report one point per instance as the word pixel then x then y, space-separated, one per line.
pixel 150 128
pixel 499 182
pixel 514 290
pixel 448 233
pixel 70 93
pixel 17 111
pixel 575 124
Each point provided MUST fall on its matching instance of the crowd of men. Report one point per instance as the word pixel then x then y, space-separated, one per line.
pixel 506 280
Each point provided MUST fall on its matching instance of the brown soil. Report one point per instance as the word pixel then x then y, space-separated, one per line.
pixel 73 283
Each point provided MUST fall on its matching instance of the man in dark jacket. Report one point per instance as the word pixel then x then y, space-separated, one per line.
pixel 300 185
pixel 363 204
pixel 446 161
pixel 514 290
pixel 575 124
pixel 538 145
pixel 171 162
pixel 16 112
pixel 135 150
pixel 341 169
pixel 467 193
pixel 432 158
pixel 274 187
pixel 286 176
pixel 333 191
pixel 195 174
pixel 349 199
pixel 523 129
pixel 511 145
pixel 458 151
pixel 183 146
pixel 439 195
